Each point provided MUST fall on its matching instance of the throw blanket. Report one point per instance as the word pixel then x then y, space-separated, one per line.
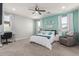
pixel 44 36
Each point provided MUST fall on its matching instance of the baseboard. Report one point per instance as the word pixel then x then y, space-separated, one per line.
pixel 22 38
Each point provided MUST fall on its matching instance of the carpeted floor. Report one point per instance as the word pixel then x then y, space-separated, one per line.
pixel 24 48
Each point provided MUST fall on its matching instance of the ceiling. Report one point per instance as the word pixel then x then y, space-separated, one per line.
pixel 51 8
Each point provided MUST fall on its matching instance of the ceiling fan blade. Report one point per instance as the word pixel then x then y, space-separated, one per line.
pixel 42 10
pixel 39 12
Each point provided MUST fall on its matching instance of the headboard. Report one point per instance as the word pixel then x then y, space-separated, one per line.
pixel 52 30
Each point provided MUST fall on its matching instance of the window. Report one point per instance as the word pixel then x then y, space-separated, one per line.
pixel 64 23
pixel 7 27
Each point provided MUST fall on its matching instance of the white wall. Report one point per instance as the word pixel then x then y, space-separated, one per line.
pixel 22 27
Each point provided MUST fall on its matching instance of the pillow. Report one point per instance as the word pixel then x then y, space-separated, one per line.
pixel 53 32
pixel 49 33
pixel 69 33
pixel 43 32
pixel 39 34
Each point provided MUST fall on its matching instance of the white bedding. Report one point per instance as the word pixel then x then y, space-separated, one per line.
pixel 44 40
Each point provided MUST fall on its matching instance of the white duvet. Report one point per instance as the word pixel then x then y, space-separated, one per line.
pixel 43 41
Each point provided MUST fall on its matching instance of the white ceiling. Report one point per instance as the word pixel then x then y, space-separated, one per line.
pixel 23 8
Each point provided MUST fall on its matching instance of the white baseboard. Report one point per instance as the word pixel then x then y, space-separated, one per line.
pixel 21 38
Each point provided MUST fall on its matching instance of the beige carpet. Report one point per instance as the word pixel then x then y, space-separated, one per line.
pixel 24 48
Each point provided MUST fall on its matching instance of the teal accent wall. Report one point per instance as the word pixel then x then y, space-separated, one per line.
pixel 50 23
pixel 45 22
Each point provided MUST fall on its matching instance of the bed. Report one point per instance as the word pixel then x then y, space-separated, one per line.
pixel 45 38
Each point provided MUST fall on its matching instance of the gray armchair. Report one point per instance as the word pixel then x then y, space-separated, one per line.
pixel 68 40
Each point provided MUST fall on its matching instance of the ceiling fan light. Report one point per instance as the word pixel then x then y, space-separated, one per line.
pixel 36 12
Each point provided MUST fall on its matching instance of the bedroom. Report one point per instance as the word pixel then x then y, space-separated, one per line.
pixel 26 20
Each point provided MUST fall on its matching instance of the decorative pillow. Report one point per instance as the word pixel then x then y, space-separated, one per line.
pixel 69 33
pixel 49 33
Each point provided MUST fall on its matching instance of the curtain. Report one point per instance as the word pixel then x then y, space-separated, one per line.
pixel 70 22
pixel 59 26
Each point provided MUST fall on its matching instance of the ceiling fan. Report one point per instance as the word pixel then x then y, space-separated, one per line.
pixel 36 9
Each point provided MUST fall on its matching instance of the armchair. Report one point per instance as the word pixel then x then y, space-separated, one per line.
pixel 68 40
